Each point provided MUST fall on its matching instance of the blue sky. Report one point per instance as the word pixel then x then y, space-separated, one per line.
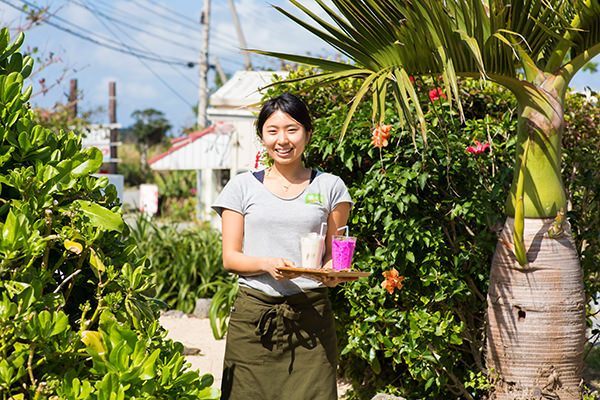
pixel 169 29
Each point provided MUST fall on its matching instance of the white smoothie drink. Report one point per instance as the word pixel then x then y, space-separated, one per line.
pixel 311 247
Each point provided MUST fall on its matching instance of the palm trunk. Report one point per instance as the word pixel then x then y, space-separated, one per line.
pixel 536 300
pixel 536 316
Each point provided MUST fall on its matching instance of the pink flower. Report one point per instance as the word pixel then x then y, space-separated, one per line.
pixel 478 148
pixel 411 79
pixel 193 191
pixel 435 94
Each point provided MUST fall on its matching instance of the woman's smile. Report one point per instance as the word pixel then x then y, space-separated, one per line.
pixel 284 137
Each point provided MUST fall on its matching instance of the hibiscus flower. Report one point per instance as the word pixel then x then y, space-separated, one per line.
pixel 380 135
pixel 478 148
pixel 435 94
pixel 392 281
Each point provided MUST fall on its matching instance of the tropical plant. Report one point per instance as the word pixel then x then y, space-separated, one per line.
pixel 177 194
pixel 76 319
pixel 185 262
pixel 442 243
pixel 220 307
pixel 533 48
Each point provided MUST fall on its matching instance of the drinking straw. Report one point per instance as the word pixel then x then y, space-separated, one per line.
pixel 323 225
pixel 346 228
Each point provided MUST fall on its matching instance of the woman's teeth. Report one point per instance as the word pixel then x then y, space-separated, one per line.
pixel 283 152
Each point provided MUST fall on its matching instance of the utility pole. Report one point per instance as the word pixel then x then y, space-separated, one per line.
pixel 112 119
pixel 240 35
pixel 203 67
pixel 73 98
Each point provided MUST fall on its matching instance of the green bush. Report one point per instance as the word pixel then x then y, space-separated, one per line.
pixel 432 213
pixel 186 262
pixel 76 321
pixel 177 194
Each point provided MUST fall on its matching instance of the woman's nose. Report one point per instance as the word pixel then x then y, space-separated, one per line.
pixel 282 137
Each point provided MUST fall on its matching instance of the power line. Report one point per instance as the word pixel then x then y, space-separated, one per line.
pixel 165 17
pixel 193 30
pixel 133 52
pixel 94 11
pixel 186 17
pixel 160 78
pixel 130 16
pixel 133 27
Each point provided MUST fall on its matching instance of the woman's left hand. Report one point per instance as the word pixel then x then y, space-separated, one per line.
pixel 331 281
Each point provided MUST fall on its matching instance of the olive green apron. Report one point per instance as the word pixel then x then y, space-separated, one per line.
pixel 280 347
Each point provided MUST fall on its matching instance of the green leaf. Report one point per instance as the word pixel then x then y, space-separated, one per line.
pixel 96 263
pixel 73 246
pixel 61 323
pixel 374 361
pixel 92 164
pixel 93 341
pixel 99 216
pixel 149 366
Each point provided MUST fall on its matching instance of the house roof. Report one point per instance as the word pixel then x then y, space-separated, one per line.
pixel 179 142
pixel 243 89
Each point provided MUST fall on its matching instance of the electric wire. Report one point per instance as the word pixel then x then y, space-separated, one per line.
pixel 165 17
pixel 135 28
pixel 98 15
pixel 134 52
pixel 228 41
pixel 157 75
pixel 178 14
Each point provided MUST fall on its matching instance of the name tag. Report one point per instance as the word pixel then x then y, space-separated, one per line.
pixel 314 198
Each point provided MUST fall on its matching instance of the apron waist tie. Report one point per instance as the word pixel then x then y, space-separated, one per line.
pixel 276 314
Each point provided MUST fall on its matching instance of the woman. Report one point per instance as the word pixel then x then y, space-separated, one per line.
pixel 281 341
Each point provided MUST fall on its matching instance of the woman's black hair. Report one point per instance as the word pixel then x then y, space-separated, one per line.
pixel 289 104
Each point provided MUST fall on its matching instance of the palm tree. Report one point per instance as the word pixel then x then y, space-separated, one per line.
pixel 536 302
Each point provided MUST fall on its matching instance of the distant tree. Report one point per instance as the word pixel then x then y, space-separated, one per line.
pixel 150 128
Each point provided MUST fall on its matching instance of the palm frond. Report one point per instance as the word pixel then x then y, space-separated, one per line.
pixel 394 39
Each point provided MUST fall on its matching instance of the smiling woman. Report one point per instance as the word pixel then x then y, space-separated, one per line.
pixel 281 340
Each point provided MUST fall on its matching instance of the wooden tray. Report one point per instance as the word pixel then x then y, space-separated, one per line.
pixel 326 272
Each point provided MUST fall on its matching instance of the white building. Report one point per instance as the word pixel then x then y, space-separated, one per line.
pixel 228 146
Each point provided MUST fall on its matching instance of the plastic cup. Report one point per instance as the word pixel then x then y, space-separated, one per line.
pixel 342 250
pixel 311 247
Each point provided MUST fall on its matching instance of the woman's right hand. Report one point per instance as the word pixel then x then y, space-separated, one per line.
pixel 272 265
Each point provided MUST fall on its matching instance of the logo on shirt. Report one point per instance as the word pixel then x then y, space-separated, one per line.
pixel 313 198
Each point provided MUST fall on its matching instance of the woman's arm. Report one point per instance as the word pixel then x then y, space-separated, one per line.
pixel 234 260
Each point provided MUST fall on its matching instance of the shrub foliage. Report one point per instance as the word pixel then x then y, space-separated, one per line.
pixel 433 212
pixel 186 262
pixel 76 321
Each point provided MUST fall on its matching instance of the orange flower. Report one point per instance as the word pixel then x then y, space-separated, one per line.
pixel 381 134
pixel 392 280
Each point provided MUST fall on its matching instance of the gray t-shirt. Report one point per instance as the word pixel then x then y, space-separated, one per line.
pixel 273 225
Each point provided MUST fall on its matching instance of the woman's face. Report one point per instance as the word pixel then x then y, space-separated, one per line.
pixel 284 138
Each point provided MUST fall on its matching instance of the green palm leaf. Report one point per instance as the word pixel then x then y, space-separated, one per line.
pixel 494 39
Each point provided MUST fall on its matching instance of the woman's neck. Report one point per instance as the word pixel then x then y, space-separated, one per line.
pixel 289 171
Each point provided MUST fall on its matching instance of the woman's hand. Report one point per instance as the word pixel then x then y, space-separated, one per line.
pixel 331 281
pixel 272 265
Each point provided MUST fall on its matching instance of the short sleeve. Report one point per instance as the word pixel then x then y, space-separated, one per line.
pixel 230 198
pixel 339 194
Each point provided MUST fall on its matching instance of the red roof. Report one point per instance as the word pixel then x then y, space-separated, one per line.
pixel 182 141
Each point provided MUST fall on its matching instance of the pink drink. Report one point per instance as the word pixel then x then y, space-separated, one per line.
pixel 342 250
